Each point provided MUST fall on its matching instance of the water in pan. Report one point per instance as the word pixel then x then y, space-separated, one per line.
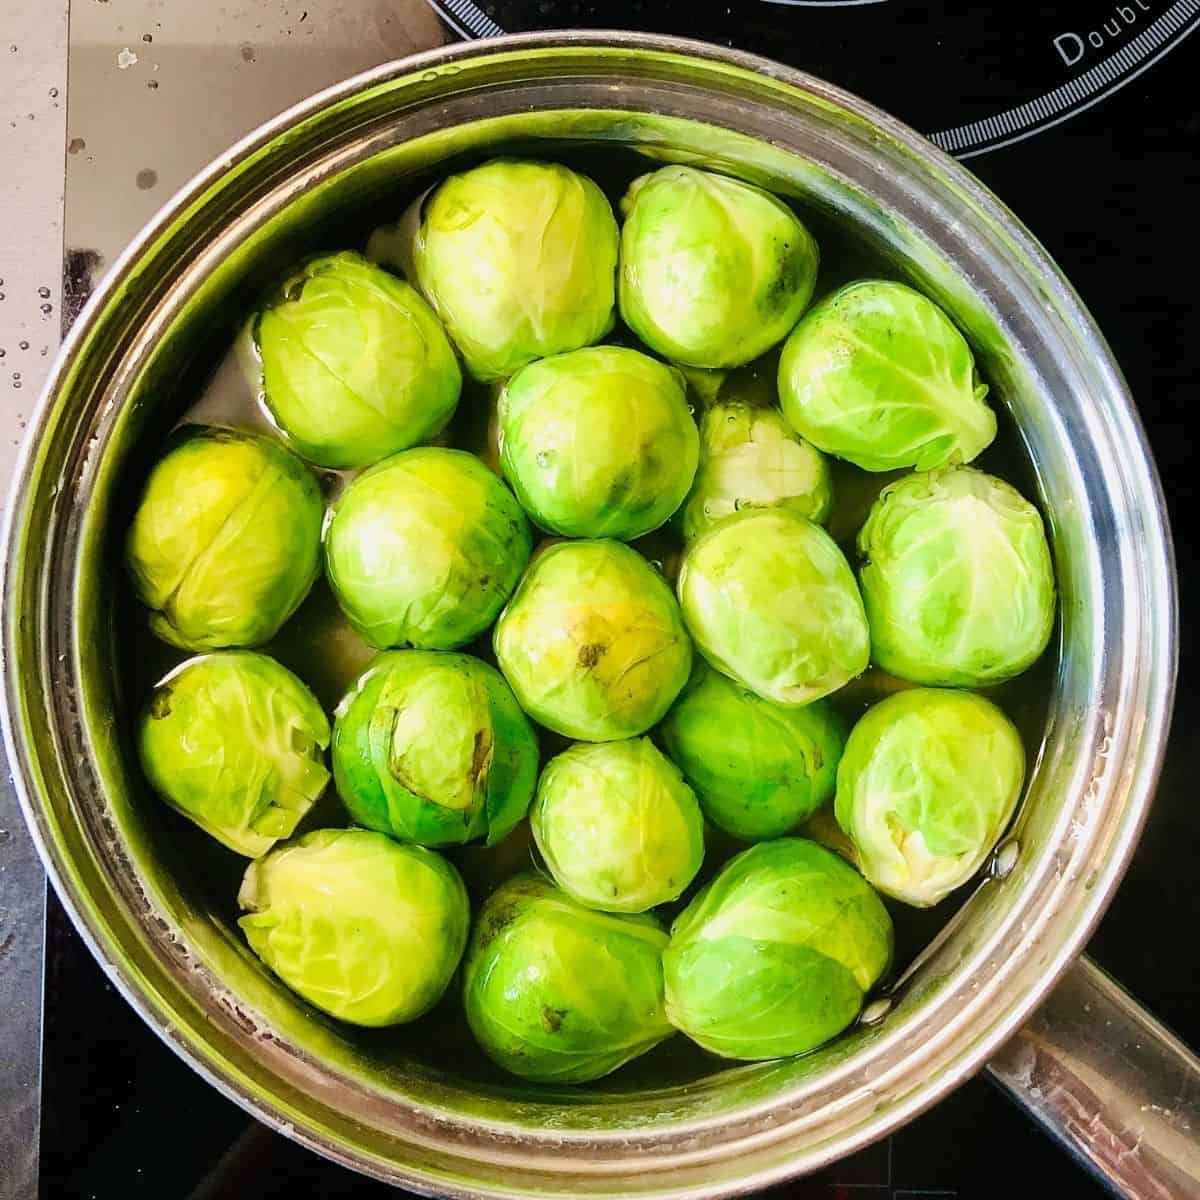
pixel 318 644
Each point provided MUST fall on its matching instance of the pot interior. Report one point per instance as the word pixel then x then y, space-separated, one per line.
pixel 157 899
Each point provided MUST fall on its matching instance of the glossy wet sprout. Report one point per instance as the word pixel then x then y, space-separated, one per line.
pixel 713 271
pixel 777 953
pixel 236 743
pixel 956 578
pixel 226 540
pixel 431 747
pixel 519 259
pixel 355 364
pixel 592 642
pixel 364 928
pixel 928 782
pixel 617 826
pixel 771 601
pixel 878 375
pixel 751 458
pixel 559 993
pixel 759 769
pixel 424 549
pixel 598 442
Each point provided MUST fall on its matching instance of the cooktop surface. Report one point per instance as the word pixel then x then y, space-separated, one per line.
pixel 1084 117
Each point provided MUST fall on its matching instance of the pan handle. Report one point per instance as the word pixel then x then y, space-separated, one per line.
pixel 1118 1089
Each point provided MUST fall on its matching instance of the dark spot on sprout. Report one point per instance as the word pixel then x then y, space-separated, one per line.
pixel 552 1019
pixel 160 703
pixel 591 654
pixel 484 580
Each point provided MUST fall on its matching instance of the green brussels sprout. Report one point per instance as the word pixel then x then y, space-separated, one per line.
pixel 617 826
pixel 750 458
pixel 355 364
pixel 771 601
pixel 956 579
pixel 431 747
pixel 598 442
pixel 366 929
pixel 592 643
pixel 520 260
pixel 713 271
pixel 759 769
pixel 776 954
pixel 235 743
pixel 928 782
pixel 877 374
pixel 226 540
pixel 424 549
pixel 559 993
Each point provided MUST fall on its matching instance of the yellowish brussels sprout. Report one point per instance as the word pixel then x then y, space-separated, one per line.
pixel 592 642
pixel 771 602
pixel 424 549
pixel 956 578
pixel 598 442
pixel 713 271
pixel 356 365
pixel 928 782
pixel 226 540
pixel 236 743
pixel 878 375
pixel 751 458
pixel 364 928
pixel 519 259
pixel 617 826
pixel 559 993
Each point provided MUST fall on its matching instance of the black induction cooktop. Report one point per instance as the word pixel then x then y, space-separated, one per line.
pixel 1085 118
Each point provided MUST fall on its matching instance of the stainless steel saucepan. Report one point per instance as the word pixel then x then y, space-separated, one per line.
pixel 1091 1065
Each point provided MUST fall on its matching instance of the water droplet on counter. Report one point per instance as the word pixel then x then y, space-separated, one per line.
pixel 543 458
pixel 54 93
pixel 147 38
pixel 75 145
pixel 248 53
pixel 146 179
pixel 23 344
pixel 44 292
pixel 46 309
pixel 126 59
pixel 3 352
pixel 5 837
pixel 152 85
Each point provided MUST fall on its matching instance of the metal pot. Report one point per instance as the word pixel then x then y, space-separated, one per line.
pixel 739 1127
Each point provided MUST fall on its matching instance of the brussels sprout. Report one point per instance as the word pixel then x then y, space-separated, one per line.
pixel 750 458
pixel 771 602
pixel 926 786
pixel 956 579
pixel 618 827
pixel 759 769
pixel 226 540
pixel 363 928
pixel 776 954
pixel 235 743
pixel 713 271
pixel 878 375
pixel 520 259
pixel 559 993
pixel 355 364
pixel 431 747
pixel 592 642
pixel 598 442
pixel 424 548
